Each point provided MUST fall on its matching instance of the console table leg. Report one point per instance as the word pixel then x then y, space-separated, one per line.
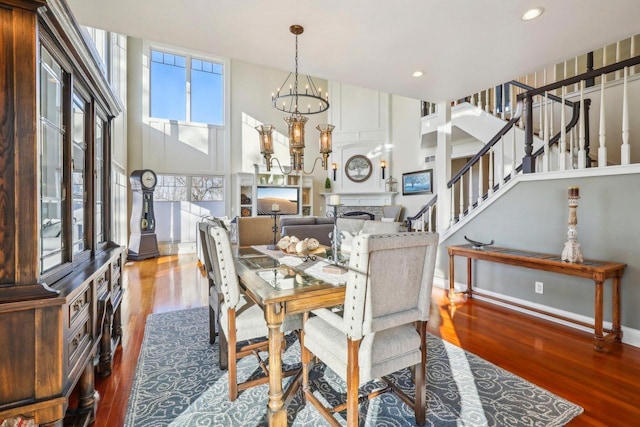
pixel 452 291
pixel 599 333
pixel 469 278
pixel 617 330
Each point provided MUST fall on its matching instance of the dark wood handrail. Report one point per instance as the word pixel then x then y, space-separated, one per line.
pixel 506 128
pixel 421 212
pixel 549 95
pixel 585 76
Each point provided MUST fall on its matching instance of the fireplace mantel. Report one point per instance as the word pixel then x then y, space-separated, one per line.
pixel 363 199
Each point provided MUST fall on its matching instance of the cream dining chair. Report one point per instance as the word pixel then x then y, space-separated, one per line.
pixel 207 255
pixel 240 318
pixel 383 327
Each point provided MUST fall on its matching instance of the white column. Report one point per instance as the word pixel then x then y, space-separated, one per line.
pixel 503 101
pixel 545 157
pixel 487 108
pixel 480 182
pixel 470 198
pixel 491 172
pixel 625 154
pixel 632 53
pixel 582 155
pixel 500 163
pixel 562 152
pixel 543 114
pixel 602 150
pixel 443 166
pixel 513 153
pixel 461 204
pixel 618 58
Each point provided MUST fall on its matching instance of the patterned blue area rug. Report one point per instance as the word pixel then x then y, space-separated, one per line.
pixel 178 383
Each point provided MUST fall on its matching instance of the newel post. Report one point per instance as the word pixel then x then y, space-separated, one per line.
pixel 528 162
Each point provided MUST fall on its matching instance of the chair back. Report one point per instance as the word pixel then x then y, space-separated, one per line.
pixel 392 211
pixel 205 242
pixel 256 230
pixel 224 267
pixel 389 282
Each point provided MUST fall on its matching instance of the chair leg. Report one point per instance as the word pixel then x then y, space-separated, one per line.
pixel 353 382
pixel 213 319
pixel 420 374
pixel 305 357
pixel 232 362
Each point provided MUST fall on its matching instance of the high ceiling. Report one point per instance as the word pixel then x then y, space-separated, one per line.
pixel 462 46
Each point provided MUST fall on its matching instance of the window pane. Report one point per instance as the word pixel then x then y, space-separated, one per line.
pixel 51 90
pixel 52 243
pixel 171 188
pixel 207 94
pixel 207 188
pixel 168 86
pixel 79 195
pixel 99 183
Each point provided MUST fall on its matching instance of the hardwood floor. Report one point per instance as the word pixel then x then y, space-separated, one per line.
pixel 557 358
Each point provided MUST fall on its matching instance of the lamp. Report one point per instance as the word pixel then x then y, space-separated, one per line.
pixel 383 166
pixel 334 166
pixel 288 102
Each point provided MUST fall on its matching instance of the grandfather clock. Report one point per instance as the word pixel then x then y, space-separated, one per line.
pixel 143 243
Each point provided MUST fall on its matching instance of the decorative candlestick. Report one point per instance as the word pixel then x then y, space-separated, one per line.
pixel 335 234
pixel 274 213
pixel 572 251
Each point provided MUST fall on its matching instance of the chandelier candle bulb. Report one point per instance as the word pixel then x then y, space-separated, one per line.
pixel 275 207
pixel 334 200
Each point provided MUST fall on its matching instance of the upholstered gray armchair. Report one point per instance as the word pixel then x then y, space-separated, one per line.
pixel 240 318
pixel 383 327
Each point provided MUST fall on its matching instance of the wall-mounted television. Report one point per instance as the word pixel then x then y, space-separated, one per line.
pixel 287 198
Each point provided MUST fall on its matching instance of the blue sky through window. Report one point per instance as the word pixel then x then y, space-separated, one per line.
pixel 169 89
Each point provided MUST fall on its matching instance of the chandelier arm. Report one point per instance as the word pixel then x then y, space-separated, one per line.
pixel 315 162
pixel 280 167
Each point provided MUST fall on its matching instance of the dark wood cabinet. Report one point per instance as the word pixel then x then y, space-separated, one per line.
pixel 60 275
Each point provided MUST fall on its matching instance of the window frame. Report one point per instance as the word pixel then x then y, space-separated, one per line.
pixel 189 57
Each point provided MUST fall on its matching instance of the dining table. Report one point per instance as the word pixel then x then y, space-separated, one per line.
pixel 282 285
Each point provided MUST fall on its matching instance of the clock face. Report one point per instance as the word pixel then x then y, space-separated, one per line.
pixel 148 179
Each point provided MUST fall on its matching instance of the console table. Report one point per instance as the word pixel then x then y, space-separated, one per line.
pixel 598 271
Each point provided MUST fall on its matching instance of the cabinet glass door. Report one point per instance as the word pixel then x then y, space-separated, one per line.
pixel 79 191
pixel 99 180
pixel 52 232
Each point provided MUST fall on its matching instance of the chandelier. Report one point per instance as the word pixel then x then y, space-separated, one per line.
pixel 291 101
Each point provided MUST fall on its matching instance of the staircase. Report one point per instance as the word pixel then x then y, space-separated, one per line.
pixel 515 130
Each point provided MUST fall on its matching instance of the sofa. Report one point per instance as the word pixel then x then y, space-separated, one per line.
pixel 307 227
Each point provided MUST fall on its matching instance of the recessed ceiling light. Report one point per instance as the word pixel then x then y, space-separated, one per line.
pixel 532 13
pixel 417 74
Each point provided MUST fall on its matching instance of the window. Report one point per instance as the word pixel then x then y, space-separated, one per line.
pixel 193 188
pixel 186 89
pixel 99 166
pixel 78 178
pixel 52 135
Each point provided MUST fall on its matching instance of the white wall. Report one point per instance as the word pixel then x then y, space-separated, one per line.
pixel 382 127
pixel 170 147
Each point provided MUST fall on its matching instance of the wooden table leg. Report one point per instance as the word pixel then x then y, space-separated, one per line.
pixel 276 411
pixel 469 278
pixel 452 292
pixel 615 297
pixel 599 333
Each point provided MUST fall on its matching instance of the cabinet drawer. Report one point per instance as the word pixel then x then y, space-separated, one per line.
pixel 77 343
pixel 79 306
pixel 116 268
pixel 101 284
